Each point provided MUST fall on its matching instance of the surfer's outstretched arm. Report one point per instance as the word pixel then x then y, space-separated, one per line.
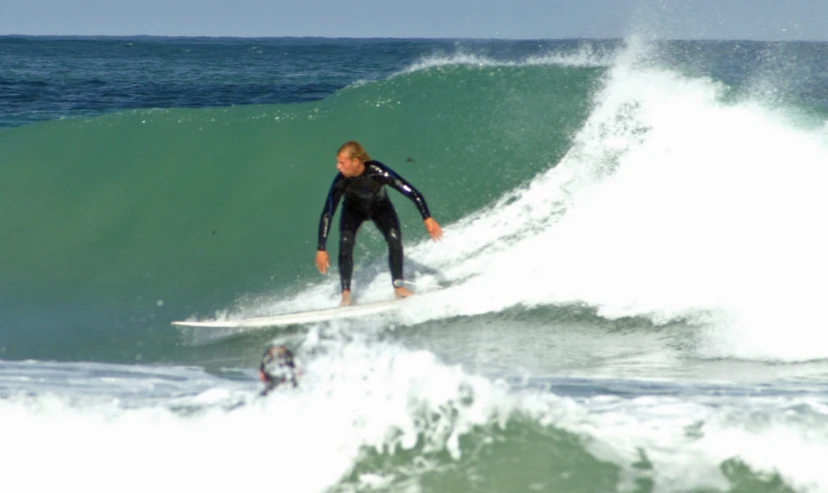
pixel 331 202
pixel 398 183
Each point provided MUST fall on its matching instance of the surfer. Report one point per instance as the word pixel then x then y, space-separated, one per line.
pixel 362 181
pixel 277 368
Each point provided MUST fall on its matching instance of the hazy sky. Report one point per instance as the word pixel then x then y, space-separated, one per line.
pixel 527 19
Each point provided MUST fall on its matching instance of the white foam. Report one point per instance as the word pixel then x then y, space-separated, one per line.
pixel 671 204
pixel 303 440
pixel 380 396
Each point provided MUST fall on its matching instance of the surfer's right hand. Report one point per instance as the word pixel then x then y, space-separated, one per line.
pixel 322 261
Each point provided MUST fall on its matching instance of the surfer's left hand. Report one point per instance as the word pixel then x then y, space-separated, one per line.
pixel 434 229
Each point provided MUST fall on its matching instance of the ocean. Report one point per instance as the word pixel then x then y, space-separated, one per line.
pixel 627 297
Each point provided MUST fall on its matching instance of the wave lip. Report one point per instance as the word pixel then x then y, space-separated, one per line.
pixel 586 55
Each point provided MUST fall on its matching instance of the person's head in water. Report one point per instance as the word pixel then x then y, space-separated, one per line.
pixel 351 158
pixel 277 368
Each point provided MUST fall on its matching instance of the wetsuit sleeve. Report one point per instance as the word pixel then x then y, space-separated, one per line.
pixel 335 193
pixel 395 181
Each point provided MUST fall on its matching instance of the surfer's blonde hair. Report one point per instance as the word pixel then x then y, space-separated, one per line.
pixel 354 150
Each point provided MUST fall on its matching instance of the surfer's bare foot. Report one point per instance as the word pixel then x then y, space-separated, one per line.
pixel 402 292
pixel 346 298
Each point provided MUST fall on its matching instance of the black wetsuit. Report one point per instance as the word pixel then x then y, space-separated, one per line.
pixel 366 198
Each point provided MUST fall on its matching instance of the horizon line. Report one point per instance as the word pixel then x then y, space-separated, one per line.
pixel 400 38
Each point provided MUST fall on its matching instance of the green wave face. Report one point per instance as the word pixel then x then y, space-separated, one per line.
pixel 524 455
pixel 117 225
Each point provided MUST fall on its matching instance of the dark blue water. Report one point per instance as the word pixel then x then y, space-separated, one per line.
pixel 46 78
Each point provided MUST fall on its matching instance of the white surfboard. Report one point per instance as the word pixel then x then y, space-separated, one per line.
pixel 311 316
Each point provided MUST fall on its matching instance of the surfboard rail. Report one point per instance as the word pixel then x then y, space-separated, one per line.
pixel 296 318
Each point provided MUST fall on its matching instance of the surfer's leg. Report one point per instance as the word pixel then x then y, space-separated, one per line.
pixel 385 217
pixel 349 222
